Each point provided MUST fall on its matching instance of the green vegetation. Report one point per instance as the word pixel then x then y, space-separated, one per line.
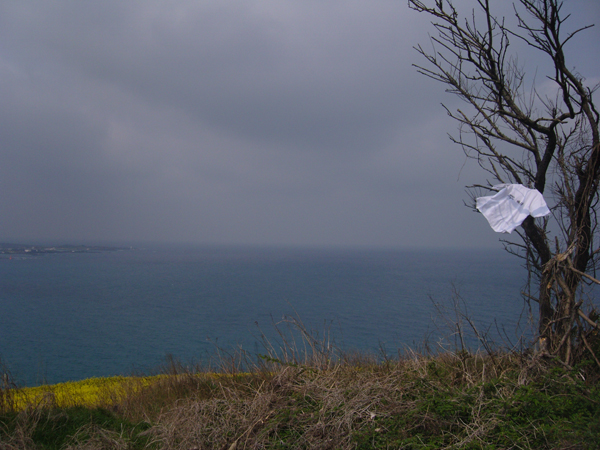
pixel 452 400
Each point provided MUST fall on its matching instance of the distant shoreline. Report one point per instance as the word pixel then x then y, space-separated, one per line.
pixel 26 249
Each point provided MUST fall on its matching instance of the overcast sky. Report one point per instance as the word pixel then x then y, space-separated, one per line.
pixel 266 122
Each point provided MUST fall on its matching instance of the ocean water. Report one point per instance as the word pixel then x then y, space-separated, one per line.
pixel 73 316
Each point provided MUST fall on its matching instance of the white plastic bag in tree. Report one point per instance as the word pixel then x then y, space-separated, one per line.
pixel 506 210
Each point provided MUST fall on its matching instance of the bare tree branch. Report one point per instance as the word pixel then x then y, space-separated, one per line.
pixel 518 136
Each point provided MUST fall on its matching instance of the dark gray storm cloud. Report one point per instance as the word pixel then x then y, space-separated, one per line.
pixel 260 122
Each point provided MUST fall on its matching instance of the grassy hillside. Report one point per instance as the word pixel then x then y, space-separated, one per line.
pixel 452 400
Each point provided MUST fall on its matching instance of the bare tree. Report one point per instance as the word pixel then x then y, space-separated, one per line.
pixel 519 134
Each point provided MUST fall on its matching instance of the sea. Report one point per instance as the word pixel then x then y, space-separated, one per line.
pixel 70 316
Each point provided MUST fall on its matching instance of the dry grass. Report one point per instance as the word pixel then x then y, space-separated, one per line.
pixel 300 407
